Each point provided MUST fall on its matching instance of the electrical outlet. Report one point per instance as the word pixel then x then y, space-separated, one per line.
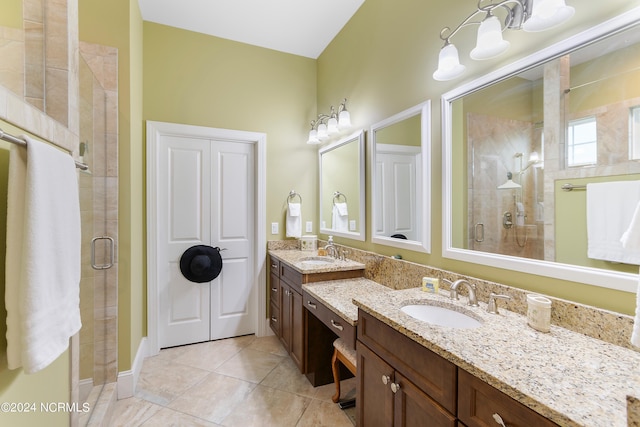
pixel 308 227
pixel 352 225
pixel 274 228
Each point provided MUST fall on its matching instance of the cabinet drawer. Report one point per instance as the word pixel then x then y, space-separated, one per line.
pixel 274 318
pixel 335 323
pixel 274 266
pixel 291 276
pixel 427 370
pixel 478 401
pixel 274 290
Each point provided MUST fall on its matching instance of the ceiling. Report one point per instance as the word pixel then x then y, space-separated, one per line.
pixel 300 27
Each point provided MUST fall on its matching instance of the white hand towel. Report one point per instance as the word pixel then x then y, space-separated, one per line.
pixel 294 220
pixel 610 211
pixel 631 241
pixel 42 292
pixel 340 222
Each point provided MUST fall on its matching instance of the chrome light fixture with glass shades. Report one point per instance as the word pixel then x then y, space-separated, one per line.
pixel 527 15
pixel 328 125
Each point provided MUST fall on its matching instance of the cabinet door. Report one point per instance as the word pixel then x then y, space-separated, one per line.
pixel 413 407
pixel 374 407
pixel 297 329
pixel 285 316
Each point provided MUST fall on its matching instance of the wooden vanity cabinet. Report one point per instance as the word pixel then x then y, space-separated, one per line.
pixel 288 318
pixel 478 401
pixel 400 382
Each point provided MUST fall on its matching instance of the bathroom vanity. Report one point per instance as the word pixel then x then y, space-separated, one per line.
pixel 453 376
pixel 306 341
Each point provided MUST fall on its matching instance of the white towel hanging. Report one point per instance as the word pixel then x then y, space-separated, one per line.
pixel 294 220
pixel 42 292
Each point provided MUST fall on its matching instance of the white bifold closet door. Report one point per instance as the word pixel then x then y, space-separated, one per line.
pixel 206 197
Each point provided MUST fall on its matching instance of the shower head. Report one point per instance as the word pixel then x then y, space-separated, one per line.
pixel 509 185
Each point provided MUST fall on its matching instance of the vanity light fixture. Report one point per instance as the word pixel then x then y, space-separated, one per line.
pixel 527 15
pixel 327 125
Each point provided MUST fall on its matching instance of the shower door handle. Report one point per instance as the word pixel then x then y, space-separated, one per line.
pixel 93 253
pixel 479 232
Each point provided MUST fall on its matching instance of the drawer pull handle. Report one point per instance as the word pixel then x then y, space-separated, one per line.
pixel 499 420
pixel 273 319
pixel 386 379
pixel 395 387
pixel 338 326
pixel 312 305
pixel 274 265
pixel 274 289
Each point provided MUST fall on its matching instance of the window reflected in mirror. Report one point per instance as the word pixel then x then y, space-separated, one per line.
pixel 515 141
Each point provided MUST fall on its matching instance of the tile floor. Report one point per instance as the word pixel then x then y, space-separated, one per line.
pixel 244 381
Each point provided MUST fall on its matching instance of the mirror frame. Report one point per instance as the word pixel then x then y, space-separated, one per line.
pixel 424 244
pixel 588 275
pixel 355 235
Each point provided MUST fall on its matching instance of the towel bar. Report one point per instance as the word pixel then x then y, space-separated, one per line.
pixel 19 141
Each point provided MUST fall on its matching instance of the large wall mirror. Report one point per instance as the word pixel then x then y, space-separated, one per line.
pixel 568 115
pixel 342 187
pixel 401 180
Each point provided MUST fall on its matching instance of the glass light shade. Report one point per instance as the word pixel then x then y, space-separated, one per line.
pixel 489 43
pixel 332 126
pixel 449 66
pixel 344 120
pixel 322 131
pixel 547 14
pixel 313 137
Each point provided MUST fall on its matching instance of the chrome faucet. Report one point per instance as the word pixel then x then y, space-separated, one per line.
pixel 453 293
pixel 332 250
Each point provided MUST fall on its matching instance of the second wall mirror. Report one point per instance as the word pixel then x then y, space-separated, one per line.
pixel 401 180
pixel 342 200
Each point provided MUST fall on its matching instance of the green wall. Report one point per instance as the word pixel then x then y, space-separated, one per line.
pixel 11 15
pixel 195 79
pixel 382 61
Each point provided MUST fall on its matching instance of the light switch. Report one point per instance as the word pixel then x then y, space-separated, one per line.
pixel 308 227
pixel 274 228
pixel 352 225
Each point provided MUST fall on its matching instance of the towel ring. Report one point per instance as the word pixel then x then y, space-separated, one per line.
pixel 337 195
pixel 293 195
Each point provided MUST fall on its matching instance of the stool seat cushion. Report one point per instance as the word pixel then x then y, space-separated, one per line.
pixel 348 352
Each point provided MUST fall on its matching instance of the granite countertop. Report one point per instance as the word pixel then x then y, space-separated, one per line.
pixel 570 378
pixel 299 260
pixel 337 295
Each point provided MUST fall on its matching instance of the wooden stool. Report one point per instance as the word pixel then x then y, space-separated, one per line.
pixel 345 354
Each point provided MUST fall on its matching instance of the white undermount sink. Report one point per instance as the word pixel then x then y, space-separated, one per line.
pixel 441 316
pixel 318 260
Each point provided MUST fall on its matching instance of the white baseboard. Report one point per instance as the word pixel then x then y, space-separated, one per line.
pixel 127 380
pixel 85 386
